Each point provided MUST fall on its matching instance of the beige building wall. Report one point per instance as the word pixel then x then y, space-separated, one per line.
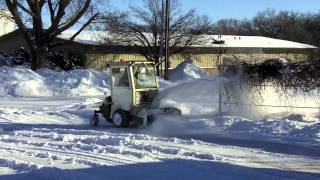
pixel 6 25
pixel 208 62
pixel 100 60
pixel 252 58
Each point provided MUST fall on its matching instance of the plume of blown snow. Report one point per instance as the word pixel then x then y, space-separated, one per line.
pixel 196 97
pixel 200 96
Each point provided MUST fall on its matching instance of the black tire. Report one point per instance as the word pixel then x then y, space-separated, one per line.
pixel 105 108
pixel 151 119
pixel 121 118
pixel 109 120
pixel 94 120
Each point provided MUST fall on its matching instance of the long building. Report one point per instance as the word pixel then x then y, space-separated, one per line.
pixel 96 54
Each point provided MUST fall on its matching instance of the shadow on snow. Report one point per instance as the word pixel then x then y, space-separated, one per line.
pixel 167 169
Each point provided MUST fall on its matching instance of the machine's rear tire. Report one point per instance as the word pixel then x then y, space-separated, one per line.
pixel 121 118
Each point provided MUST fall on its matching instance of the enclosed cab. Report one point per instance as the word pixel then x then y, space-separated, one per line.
pixel 134 86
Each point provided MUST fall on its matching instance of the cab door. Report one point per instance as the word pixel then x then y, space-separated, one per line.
pixel 121 88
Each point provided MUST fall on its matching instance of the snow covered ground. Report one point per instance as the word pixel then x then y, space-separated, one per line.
pixel 46 136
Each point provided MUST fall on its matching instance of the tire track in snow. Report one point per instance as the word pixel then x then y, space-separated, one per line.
pixel 245 156
pixel 53 155
pixel 87 147
pixel 150 152
pixel 82 157
pixel 35 144
pixel 8 165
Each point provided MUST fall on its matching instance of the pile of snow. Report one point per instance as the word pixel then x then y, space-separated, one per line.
pixel 186 71
pixel 21 81
pixel 24 82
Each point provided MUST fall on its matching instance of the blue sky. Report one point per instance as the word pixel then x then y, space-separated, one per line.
pixel 217 9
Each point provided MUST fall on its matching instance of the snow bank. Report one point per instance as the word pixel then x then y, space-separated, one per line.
pixel 21 81
pixel 25 82
pixel 186 71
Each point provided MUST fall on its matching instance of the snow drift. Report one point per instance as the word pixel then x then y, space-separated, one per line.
pixel 187 70
pixel 25 82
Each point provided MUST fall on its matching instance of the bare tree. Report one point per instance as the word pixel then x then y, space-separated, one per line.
pixel 47 19
pixel 228 26
pixel 144 27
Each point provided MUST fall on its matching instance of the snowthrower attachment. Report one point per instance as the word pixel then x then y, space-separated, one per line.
pixel 149 115
pixel 134 87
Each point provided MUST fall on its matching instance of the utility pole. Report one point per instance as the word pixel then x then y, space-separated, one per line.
pixel 166 71
pixel 162 39
pixel 219 42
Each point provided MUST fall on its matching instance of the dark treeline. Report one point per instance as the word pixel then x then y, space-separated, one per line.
pixel 287 25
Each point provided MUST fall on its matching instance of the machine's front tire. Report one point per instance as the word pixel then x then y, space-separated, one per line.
pixel 121 118
pixel 94 120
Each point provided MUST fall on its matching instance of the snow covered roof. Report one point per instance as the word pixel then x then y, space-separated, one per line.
pixel 86 37
pixel 253 42
pixel 231 41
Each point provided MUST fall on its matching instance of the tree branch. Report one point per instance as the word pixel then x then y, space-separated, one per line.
pixel 51 10
pixel 73 20
pixel 15 2
pixel 20 24
pixel 84 26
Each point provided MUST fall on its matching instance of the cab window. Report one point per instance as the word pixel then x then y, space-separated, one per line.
pixel 144 76
pixel 120 77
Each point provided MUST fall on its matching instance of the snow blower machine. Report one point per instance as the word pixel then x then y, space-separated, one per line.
pixel 133 102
